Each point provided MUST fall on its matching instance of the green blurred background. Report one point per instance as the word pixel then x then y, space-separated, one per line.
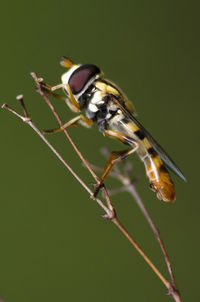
pixel 54 244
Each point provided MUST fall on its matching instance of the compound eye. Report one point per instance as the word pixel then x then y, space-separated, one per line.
pixel 81 76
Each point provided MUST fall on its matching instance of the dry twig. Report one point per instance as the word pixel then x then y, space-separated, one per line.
pixel 108 208
pixel 124 176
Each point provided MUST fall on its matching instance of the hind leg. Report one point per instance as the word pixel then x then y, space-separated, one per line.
pixel 121 155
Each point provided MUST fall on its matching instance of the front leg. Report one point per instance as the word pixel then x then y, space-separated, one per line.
pixel 69 97
pixel 49 87
pixel 45 88
pixel 78 120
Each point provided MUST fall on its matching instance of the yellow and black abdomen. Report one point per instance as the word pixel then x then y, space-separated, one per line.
pixel 159 178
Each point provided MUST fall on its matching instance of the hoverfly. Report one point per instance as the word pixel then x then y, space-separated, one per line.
pixel 101 101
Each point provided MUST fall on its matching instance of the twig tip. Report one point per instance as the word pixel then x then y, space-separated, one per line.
pixel 4 105
pixel 19 97
pixel 34 76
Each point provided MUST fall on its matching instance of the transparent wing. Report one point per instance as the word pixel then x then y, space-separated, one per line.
pixel 161 152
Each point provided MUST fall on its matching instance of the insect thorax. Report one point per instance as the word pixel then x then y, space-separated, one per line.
pixel 98 106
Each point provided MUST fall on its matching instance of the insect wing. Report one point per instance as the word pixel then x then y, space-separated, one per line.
pixel 161 152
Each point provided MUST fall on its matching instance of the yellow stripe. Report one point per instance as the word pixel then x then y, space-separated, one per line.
pixel 132 127
pixel 146 143
pixel 157 160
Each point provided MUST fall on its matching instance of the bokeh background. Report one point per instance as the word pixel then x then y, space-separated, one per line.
pixel 54 244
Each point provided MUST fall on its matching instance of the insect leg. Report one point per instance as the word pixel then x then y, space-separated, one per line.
pixel 49 87
pixel 70 99
pixel 51 93
pixel 121 155
pixel 78 120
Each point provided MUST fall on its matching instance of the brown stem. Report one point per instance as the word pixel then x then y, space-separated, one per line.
pixel 129 186
pixel 110 212
pixel 131 189
pixel 171 290
pixel 32 125
pixel 140 251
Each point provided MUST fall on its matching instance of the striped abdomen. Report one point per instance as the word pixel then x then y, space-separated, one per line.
pixel 160 181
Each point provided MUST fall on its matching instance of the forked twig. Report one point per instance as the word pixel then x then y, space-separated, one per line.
pixel 109 209
pixel 28 120
pixel 128 185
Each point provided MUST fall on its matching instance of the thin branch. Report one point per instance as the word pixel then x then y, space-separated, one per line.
pixel 132 190
pixel 109 215
pixel 140 251
pixel 28 120
pixel 129 187
pixel 124 179
pixel 110 211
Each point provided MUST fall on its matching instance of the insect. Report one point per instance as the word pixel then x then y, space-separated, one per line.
pixel 98 100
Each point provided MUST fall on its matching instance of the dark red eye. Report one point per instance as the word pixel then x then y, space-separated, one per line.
pixel 81 76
